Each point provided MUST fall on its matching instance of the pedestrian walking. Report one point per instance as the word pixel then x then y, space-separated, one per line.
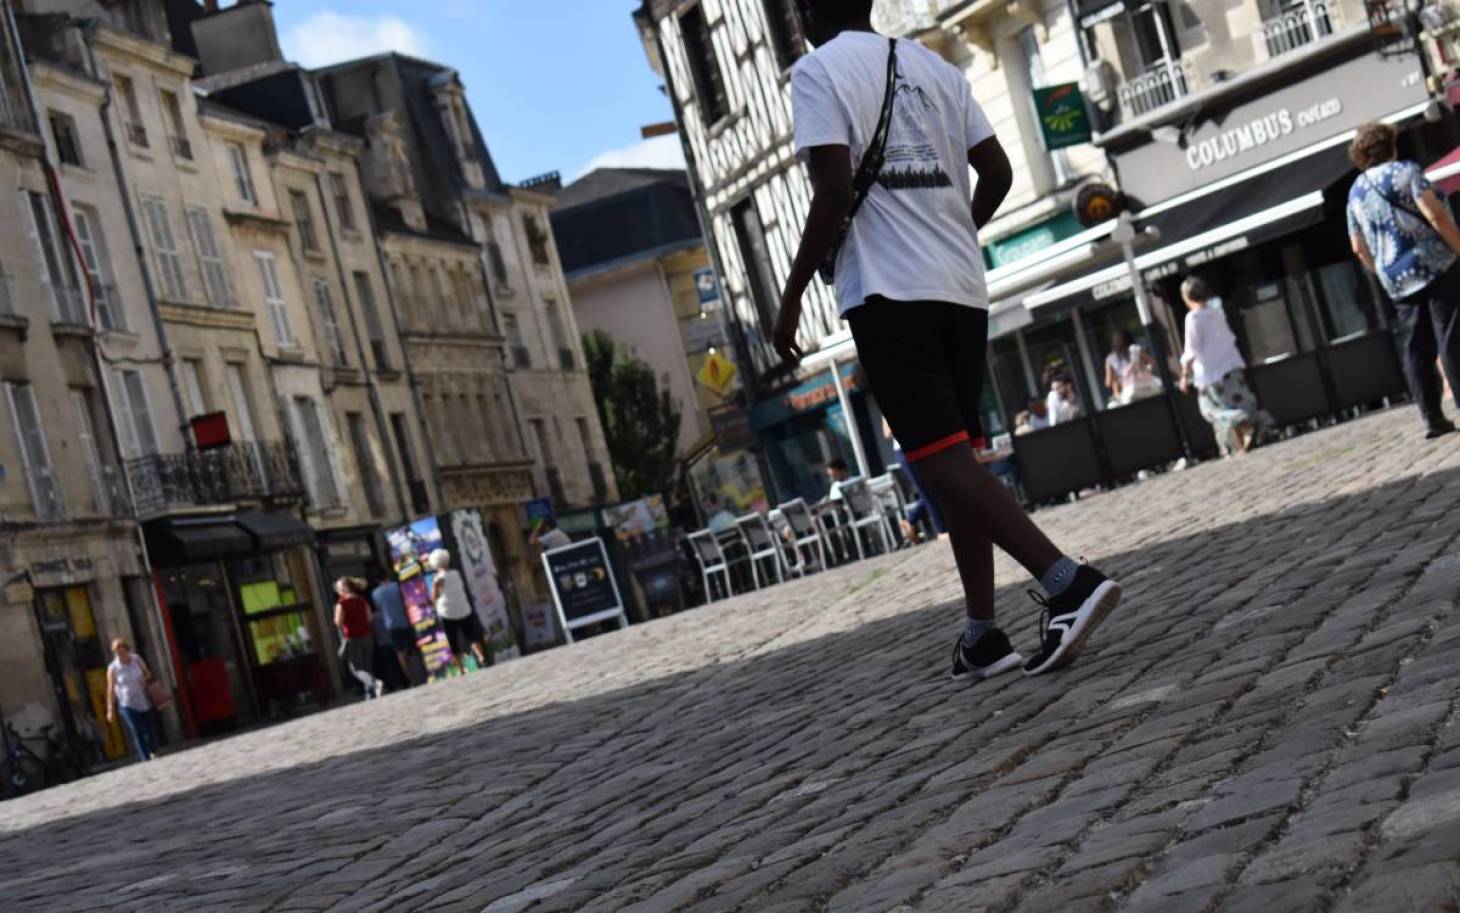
pixel 400 634
pixel 1403 233
pixel 126 689
pixel 897 234
pixel 352 618
pixel 1213 362
pixel 453 606
pixel 1130 371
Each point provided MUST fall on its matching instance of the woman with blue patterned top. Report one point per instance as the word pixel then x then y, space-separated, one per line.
pixel 1402 231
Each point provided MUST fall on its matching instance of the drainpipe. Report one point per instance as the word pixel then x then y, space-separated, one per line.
pixel 139 250
pixel 405 354
pixel 12 34
pixel 375 404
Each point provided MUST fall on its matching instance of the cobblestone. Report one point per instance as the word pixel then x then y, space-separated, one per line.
pixel 1269 722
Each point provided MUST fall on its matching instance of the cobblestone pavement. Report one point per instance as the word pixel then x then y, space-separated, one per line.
pixel 1268 724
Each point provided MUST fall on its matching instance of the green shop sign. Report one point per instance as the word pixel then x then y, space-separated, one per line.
pixel 1031 240
pixel 1062 115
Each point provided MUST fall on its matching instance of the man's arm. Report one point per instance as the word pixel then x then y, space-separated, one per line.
pixel 1439 217
pixel 1361 250
pixel 995 177
pixel 831 184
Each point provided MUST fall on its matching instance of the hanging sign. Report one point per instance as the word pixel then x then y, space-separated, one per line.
pixel 717 374
pixel 1062 116
pixel 584 589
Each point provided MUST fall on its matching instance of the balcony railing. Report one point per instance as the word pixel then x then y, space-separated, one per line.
pixel 45 490
pixel 1164 82
pixel 13 112
pixel 112 497
pixel 137 134
pixel 1296 28
pixel 239 472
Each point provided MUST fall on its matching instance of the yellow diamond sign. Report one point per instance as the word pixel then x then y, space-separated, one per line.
pixel 718 374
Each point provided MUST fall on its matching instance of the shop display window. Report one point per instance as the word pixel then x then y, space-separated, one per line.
pixel 275 606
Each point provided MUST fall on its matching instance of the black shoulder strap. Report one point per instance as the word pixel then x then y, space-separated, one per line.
pixel 1393 203
pixel 870 168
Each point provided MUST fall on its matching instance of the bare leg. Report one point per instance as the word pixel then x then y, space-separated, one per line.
pixel 979 512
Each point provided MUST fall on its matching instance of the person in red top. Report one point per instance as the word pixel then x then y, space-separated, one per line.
pixel 352 617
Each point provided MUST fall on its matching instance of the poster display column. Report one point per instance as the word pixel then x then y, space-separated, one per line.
pixel 584 588
pixel 475 562
pixel 410 547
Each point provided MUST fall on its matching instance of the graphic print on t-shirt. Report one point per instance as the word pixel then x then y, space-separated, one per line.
pixel 911 161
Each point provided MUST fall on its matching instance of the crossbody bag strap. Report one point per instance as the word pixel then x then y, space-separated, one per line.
pixel 870 168
pixel 1393 203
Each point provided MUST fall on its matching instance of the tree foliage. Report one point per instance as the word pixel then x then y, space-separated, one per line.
pixel 639 420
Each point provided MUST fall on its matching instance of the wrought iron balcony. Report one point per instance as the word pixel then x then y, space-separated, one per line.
pixel 267 472
pixel 1297 27
pixel 112 497
pixel 1164 82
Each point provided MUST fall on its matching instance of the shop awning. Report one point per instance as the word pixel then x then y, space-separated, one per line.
pixel 1196 229
pixel 275 530
pixel 172 541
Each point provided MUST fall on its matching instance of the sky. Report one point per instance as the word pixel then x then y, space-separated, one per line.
pixel 556 85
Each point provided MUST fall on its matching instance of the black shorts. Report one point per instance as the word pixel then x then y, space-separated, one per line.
pixel 461 633
pixel 403 640
pixel 924 361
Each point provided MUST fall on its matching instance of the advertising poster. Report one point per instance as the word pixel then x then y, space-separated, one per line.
pixel 410 546
pixel 474 560
pixel 636 519
pixel 538 628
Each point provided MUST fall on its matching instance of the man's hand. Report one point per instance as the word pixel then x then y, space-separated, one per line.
pixel 787 321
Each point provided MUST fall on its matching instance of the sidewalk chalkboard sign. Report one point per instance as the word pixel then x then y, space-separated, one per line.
pixel 583 585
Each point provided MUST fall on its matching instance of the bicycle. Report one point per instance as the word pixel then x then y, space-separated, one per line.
pixel 23 771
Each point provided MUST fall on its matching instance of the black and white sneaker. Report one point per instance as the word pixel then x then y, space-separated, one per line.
pixel 1068 618
pixel 990 656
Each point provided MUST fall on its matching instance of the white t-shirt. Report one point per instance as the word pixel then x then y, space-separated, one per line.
pixel 914 237
pixel 1211 347
pixel 453 603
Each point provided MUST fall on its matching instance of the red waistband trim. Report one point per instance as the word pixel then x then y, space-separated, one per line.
pixel 923 453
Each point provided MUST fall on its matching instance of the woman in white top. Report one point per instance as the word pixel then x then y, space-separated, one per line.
pixel 126 687
pixel 1212 360
pixel 453 607
pixel 1130 373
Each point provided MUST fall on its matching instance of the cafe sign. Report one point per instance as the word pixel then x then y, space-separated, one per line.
pixel 1226 141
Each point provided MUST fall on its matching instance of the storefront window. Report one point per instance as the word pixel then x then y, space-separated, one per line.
pixel 276 609
pixel 1102 323
pixel 1347 304
pixel 1053 347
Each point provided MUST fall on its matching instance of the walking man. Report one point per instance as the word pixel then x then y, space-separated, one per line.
pixel 909 280
pixel 1403 233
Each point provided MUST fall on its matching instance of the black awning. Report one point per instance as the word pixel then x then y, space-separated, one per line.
pixel 275 530
pixel 1253 196
pixel 174 541
pixel 1271 204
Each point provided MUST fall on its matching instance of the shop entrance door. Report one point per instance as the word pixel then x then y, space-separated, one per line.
pixel 207 646
pixel 76 660
pixel 281 636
